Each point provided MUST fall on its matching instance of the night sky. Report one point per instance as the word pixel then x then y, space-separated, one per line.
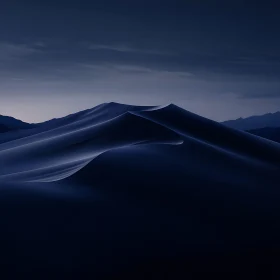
pixel 220 59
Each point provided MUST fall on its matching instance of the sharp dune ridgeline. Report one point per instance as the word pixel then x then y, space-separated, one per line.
pixel 119 190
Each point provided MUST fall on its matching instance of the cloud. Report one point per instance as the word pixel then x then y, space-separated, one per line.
pixel 127 49
pixel 269 93
pixel 13 51
pixel 134 69
pixel 40 44
pixel 262 60
pixel 139 69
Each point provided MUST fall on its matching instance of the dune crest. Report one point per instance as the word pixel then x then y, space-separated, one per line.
pixel 119 185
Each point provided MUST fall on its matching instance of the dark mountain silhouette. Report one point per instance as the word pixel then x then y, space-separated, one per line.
pixel 255 122
pixel 130 192
pixel 271 133
pixel 10 123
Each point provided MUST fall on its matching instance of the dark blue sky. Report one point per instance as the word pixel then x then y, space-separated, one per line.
pixel 220 59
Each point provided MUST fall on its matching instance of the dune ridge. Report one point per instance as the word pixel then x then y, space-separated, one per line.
pixel 98 193
pixel 87 134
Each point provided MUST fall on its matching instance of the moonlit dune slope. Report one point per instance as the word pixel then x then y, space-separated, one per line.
pixel 130 191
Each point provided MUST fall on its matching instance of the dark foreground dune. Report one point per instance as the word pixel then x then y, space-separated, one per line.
pixel 133 192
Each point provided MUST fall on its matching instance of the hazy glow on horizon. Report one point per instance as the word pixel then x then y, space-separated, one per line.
pixel 196 55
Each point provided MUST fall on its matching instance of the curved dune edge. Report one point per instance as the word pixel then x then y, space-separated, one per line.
pixel 81 144
pixel 62 171
pixel 105 191
pixel 61 147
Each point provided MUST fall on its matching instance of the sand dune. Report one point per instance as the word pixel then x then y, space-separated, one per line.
pixel 105 191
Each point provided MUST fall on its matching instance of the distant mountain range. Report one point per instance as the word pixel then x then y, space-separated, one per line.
pixel 271 133
pixel 255 122
pixel 251 123
pixel 266 126
pixel 10 123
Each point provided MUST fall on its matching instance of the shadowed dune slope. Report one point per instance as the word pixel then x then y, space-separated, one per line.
pixel 134 191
